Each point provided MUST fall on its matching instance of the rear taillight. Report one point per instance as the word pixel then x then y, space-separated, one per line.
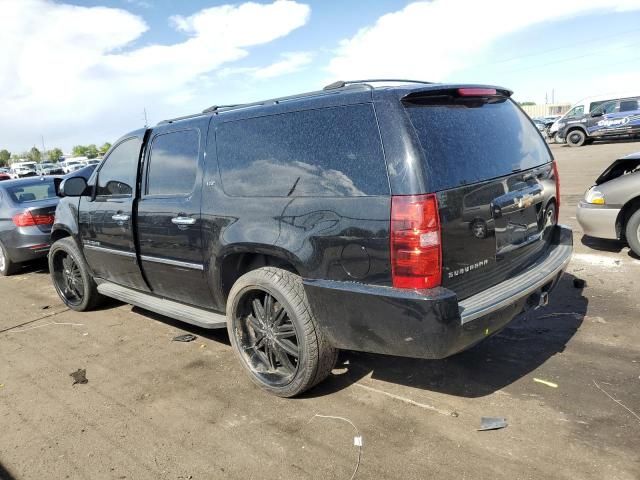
pixel 27 219
pixel 415 242
pixel 557 179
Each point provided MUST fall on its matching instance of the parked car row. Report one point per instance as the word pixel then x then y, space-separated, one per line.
pixel 32 169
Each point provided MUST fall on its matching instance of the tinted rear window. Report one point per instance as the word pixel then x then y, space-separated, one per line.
pixel 32 192
pixel 470 143
pixel 326 152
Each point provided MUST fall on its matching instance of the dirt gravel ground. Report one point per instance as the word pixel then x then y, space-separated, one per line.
pixel 157 409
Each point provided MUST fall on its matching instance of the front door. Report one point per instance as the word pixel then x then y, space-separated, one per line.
pixel 604 119
pixel 169 222
pixel 106 218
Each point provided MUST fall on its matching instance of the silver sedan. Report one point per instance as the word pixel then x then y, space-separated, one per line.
pixel 611 208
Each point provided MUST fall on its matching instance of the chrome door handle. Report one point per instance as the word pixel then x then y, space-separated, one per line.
pixel 183 220
pixel 120 217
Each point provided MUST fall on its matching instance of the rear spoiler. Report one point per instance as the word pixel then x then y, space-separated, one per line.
pixel 447 93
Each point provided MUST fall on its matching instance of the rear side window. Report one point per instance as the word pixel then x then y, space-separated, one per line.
pixel 628 105
pixel 32 192
pixel 466 143
pixel 173 163
pixel 326 152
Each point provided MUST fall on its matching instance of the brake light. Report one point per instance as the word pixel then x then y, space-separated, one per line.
pixel 27 219
pixel 416 260
pixel 476 92
pixel 557 178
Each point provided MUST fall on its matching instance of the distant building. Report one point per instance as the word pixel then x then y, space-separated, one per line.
pixel 546 109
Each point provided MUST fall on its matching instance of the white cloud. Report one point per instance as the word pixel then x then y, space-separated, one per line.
pixel 291 62
pixel 430 40
pixel 75 74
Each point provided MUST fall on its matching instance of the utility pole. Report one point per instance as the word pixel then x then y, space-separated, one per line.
pixel 553 95
pixel 43 149
pixel 146 122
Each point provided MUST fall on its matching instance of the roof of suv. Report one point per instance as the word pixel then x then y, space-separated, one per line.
pixel 337 93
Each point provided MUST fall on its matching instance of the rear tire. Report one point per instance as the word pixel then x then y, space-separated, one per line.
pixel 274 333
pixel 632 232
pixel 7 267
pixel 576 138
pixel 71 276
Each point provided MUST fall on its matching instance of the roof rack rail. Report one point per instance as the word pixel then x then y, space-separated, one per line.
pixel 215 109
pixel 344 83
pixel 177 119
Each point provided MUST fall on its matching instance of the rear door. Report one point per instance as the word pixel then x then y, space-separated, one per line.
pixel 495 185
pixel 106 219
pixel 169 220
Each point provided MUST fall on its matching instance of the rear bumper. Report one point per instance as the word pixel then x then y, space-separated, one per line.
pixel 27 243
pixel 598 220
pixel 430 323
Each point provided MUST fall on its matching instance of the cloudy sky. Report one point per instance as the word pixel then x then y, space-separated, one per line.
pixel 84 71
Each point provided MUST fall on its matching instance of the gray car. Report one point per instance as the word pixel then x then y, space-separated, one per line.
pixel 27 208
pixel 611 208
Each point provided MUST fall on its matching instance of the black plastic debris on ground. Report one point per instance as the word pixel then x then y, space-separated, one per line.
pixel 579 283
pixel 492 423
pixel 185 338
pixel 79 376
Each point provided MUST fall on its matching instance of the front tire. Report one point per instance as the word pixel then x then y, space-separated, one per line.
pixel 7 267
pixel 576 138
pixel 274 333
pixel 632 232
pixel 71 276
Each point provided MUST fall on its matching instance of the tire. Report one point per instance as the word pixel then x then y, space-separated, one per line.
pixel 632 232
pixel 556 138
pixel 261 333
pixel 71 276
pixel 7 267
pixel 576 138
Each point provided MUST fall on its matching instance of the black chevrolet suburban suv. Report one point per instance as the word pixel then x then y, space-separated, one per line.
pixel 411 219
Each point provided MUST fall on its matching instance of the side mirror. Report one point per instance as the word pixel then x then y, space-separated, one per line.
pixel 597 113
pixel 72 187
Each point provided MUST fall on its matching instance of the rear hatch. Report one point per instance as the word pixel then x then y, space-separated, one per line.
pixel 495 183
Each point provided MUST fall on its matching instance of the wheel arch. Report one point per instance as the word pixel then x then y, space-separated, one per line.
pixel 628 209
pixel 59 233
pixel 242 259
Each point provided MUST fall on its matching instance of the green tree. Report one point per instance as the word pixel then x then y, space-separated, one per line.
pixel 4 158
pixel 104 148
pixel 34 155
pixel 79 151
pixel 55 154
pixel 92 151
pixel 18 156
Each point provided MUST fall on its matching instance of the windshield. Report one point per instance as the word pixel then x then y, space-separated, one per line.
pixel 466 143
pixel 32 192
